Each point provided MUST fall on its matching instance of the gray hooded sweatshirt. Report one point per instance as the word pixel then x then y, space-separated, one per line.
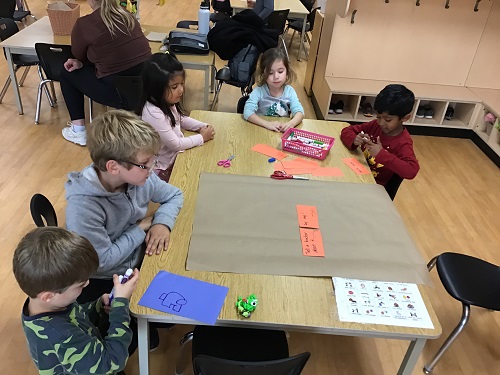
pixel 108 220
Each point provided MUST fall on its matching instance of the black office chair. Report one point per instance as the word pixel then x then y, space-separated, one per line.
pixel 250 55
pixel 224 351
pixel 42 211
pixel 277 21
pixel 51 60
pixel 393 185
pixel 129 90
pixel 8 10
pixel 240 107
pixel 8 27
pixel 296 25
pixel 469 280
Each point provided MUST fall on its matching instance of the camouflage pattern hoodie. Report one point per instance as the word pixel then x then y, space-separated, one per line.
pixel 68 341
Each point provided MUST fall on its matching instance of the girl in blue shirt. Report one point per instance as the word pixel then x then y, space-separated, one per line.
pixel 273 95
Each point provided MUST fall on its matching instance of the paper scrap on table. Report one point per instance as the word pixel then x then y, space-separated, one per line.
pixel 185 297
pixel 380 302
pixel 311 163
pixel 308 216
pixel 356 166
pixel 269 151
pixel 292 171
pixel 334 172
pixel 312 242
pixel 153 36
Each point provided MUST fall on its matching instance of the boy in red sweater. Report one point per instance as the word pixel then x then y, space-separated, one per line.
pixel 386 143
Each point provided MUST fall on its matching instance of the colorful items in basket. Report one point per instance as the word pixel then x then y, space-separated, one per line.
pixel 280 175
pixel 246 306
pixel 306 143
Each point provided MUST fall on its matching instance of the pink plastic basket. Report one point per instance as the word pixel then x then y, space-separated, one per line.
pixel 301 147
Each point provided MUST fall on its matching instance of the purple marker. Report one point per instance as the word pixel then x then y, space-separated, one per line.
pixel 123 279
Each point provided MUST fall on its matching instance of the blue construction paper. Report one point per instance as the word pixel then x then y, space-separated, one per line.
pixel 184 296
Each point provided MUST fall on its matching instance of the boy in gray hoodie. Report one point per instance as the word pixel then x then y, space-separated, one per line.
pixel 108 200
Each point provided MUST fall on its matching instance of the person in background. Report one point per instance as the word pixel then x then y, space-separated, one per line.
pixel 163 86
pixel 263 8
pixel 274 96
pixel 105 43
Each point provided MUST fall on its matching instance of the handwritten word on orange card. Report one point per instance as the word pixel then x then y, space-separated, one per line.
pixel 312 242
pixel 269 151
pixel 356 166
pixel 308 216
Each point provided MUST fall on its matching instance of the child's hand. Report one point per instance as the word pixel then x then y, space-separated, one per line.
pixel 145 223
pixel 157 239
pixel 124 290
pixel 286 126
pixel 361 139
pixel 207 132
pixel 273 125
pixel 105 303
pixel 373 148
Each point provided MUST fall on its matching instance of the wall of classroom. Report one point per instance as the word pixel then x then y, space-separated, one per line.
pixel 399 41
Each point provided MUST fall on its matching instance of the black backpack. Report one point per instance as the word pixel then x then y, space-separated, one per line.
pixel 242 65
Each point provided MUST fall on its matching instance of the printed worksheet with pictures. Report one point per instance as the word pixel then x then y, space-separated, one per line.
pixel 380 302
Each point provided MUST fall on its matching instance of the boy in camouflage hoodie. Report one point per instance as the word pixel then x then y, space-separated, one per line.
pixel 52 266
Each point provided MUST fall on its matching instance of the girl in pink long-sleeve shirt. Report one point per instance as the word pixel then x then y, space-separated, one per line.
pixel 163 86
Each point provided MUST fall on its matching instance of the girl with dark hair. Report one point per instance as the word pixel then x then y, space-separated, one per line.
pixel 163 86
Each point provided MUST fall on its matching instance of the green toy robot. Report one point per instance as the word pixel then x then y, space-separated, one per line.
pixel 246 306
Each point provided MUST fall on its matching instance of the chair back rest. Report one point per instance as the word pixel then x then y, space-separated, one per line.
pixel 393 185
pixel 311 17
pixel 7 8
pixel 42 211
pixel 308 4
pixel 277 20
pixel 52 58
pixel 8 27
pixel 129 89
pixel 222 6
pixel 206 365
pixel 241 104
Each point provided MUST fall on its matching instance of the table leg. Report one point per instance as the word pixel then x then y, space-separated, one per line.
pixel 143 342
pixel 208 68
pixel 302 37
pixel 411 356
pixel 13 78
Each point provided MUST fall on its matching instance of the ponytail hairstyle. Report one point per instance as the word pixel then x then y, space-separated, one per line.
pixel 157 72
pixel 115 17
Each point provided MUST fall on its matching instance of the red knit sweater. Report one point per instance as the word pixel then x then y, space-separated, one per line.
pixel 396 156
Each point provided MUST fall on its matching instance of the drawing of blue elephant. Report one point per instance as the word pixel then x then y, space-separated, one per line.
pixel 173 301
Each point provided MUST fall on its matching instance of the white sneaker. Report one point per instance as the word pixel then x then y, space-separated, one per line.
pixel 79 138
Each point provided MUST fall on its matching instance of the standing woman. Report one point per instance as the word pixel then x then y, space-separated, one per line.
pixel 105 43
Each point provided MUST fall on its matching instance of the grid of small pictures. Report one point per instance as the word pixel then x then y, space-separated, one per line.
pixel 380 302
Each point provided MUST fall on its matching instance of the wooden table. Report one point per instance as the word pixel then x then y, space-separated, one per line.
pixel 317 310
pixel 297 9
pixel 41 32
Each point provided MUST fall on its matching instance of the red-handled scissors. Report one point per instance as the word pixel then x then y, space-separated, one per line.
pixel 226 163
pixel 280 175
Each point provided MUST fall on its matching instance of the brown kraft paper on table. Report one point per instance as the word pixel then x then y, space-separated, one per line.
pixel 248 224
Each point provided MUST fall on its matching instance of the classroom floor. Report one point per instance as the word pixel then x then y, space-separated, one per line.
pixel 452 205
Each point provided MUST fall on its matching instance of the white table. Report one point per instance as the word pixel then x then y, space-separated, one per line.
pixel 297 9
pixel 41 32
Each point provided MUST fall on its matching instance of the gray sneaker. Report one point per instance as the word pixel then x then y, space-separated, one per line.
pixel 79 138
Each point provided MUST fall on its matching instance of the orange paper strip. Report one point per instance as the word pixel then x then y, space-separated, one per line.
pixel 356 166
pixel 269 151
pixel 308 216
pixel 312 242
pixel 335 172
pixel 313 164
